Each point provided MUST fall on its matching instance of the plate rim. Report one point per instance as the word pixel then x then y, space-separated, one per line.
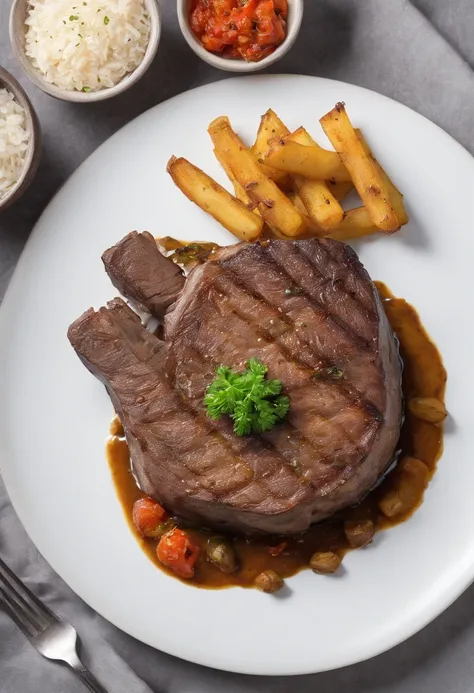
pixel 457 586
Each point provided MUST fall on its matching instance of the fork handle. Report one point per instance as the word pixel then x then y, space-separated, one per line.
pixel 86 677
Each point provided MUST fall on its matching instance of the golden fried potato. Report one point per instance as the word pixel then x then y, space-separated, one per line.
pixel 311 162
pixel 340 190
pixel 356 224
pixel 276 209
pixel 366 176
pixel 320 204
pixel 313 229
pixel 270 127
pixel 238 189
pixel 396 197
pixel 215 200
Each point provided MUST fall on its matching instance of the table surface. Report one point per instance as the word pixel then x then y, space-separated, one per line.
pixel 420 53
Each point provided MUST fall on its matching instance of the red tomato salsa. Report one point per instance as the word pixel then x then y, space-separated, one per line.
pixel 249 29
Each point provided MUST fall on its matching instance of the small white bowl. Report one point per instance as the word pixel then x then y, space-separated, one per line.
pixel 33 151
pixel 18 15
pixel 295 15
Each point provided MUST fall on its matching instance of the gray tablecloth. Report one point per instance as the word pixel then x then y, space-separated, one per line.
pixel 420 53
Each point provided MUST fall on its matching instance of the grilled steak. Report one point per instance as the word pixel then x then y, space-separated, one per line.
pixel 140 272
pixel 310 312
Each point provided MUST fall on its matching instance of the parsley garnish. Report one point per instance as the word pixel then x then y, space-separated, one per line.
pixel 86 89
pixel 73 18
pixel 253 403
pixel 106 20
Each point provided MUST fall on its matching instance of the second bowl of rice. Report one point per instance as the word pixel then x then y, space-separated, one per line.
pixel 20 140
pixel 85 50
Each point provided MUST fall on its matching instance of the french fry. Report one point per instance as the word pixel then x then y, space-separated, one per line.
pixel 340 190
pixel 297 201
pixel 270 126
pixel 313 228
pixel 300 135
pixel 215 200
pixel 310 231
pixel 308 161
pixel 278 212
pixel 365 175
pixel 396 197
pixel 320 204
pixel 238 189
pixel 356 224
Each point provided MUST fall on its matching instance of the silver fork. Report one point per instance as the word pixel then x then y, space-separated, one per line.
pixel 52 637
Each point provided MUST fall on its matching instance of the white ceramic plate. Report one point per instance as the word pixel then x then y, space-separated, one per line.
pixel 54 415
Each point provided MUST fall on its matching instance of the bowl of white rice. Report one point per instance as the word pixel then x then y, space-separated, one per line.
pixel 20 140
pixel 85 50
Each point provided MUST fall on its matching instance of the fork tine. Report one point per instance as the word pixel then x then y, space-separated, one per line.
pixel 53 638
pixel 18 615
pixel 16 601
pixel 34 608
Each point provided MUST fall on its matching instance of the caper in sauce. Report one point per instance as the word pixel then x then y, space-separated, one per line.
pixel 221 553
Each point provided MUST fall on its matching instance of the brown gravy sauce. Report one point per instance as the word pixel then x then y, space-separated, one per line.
pixel 423 376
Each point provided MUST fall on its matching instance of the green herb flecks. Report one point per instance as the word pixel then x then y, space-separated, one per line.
pixel 86 89
pixel 252 402
pixel 331 373
pixel 293 291
pixel 73 18
pixel 106 20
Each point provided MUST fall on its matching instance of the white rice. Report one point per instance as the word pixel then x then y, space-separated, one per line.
pixel 86 45
pixel 13 141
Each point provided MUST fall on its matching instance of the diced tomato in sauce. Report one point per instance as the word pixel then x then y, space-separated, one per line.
pixel 178 551
pixel 148 517
pixel 249 29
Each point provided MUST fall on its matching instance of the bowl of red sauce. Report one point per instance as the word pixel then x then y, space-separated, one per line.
pixel 240 35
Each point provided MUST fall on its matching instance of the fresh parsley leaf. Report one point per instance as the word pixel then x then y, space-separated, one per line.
pixel 254 403
pixel 106 19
